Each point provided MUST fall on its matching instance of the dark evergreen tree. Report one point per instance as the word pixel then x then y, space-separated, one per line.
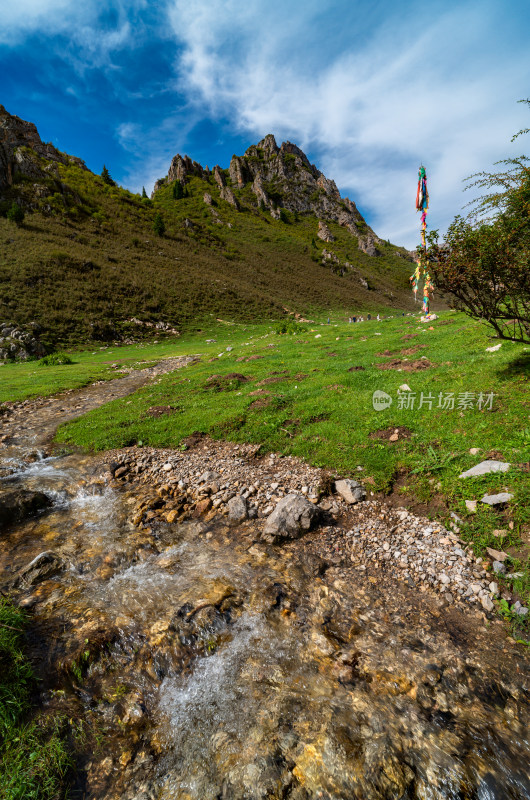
pixel 144 193
pixel 105 174
pixel 178 191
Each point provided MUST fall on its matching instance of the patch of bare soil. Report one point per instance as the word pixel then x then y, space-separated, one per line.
pixel 356 369
pixel 224 383
pixel 408 351
pixel 401 494
pixel 496 455
pixel 409 336
pixel 249 358
pixel 386 434
pixel 290 427
pixel 161 411
pixel 275 377
pixel 335 387
pixel 407 366
pixel 194 440
pixel 261 402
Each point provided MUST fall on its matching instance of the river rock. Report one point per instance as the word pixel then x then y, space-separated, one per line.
pixel 293 516
pixel 208 476
pixel 498 568
pixel 486 603
pixel 42 567
pixel 484 468
pixel 18 504
pixel 496 499
pixel 350 491
pixel 496 555
pixel 237 509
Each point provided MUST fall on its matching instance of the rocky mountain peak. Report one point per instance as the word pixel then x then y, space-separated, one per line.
pixel 281 178
pixel 268 145
pixel 21 148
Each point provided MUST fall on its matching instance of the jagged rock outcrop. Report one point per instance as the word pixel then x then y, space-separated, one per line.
pixel 282 177
pixel 239 174
pixel 182 167
pixel 225 192
pixel 324 232
pixel 17 344
pixel 21 151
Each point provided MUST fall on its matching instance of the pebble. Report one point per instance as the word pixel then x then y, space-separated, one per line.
pixel 499 568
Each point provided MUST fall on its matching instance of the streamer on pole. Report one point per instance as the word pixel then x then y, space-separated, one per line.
pixel 422 205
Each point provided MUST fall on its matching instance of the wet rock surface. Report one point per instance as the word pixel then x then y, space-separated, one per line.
pixel 209 663
pixel 17 504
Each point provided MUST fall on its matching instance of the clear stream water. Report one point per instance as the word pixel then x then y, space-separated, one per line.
pixel 205 664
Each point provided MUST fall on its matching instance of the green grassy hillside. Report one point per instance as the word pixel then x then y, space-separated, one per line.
pixel 86 260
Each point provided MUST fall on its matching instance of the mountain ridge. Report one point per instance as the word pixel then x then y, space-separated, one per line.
pixel 279 177
pixel 87 264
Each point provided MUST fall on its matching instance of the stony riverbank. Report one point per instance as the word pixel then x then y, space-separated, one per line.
pixel 199 648
pixel 214 479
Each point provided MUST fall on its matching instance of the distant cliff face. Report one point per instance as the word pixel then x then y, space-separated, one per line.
pixel 20 143
pixel 281 177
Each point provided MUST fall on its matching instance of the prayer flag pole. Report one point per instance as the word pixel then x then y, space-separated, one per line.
pixel 422 204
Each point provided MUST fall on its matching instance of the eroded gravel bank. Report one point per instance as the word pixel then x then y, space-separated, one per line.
pixel 201 481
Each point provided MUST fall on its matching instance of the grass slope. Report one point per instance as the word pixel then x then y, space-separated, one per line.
pixel 299 395
pixel 87 261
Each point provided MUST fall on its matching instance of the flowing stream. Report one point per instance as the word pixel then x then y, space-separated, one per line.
pixel 201 663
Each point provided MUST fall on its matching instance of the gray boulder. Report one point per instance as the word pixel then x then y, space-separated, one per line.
pixel 293 516
pixel 237 509
pixel 350 491
pixel 496 499
pixel 484 468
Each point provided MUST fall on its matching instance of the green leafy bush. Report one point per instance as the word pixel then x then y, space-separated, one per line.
pixel 288 326
pixel 54 360
pixel 159 226
pixel 16 214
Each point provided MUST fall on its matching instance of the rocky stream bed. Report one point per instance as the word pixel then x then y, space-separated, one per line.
pixel 204 651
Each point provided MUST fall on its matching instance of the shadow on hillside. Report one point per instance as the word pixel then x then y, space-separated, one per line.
pixel 519 366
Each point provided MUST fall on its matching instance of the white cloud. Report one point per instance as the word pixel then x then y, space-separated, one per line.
pixel 91 38
pixel 25 15
pixel 445 96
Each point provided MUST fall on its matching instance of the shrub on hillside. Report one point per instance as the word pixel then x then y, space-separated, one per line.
pixel 16 214
pixel 54 360
pixel 288 326
pixel 159 226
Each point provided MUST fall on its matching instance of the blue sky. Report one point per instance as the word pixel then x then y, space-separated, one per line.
pixel 368 88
